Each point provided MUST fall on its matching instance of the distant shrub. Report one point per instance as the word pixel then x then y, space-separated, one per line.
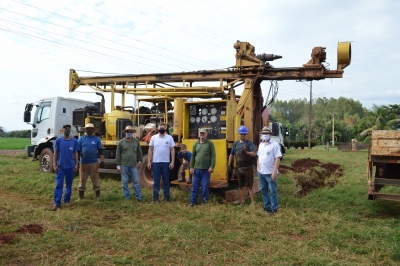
pixel 295 144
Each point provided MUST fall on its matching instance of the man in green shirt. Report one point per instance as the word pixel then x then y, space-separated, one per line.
pixel 128 159
pixel 202 165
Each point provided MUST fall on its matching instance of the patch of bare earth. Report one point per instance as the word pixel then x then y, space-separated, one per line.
pixel 26 229
pixel 312 174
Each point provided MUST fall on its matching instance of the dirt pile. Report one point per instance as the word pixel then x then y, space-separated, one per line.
pixel 311 174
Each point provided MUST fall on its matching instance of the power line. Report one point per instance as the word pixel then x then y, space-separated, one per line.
pixel 71 48
pixel 114 33
pixel 164 63
pixel 97 37
pixel 184 19
pixel 170 25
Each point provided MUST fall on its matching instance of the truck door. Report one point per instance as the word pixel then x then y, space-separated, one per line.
pixel 42 122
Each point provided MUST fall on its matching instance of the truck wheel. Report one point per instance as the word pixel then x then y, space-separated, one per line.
pixel 145 175
pixel 46 161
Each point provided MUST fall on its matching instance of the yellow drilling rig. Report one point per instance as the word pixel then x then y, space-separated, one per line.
pixel 185 104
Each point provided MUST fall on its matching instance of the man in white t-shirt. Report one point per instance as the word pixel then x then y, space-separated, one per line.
pixel 161 158
pixel 269 155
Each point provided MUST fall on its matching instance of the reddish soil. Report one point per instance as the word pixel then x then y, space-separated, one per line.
pixel 26 229
pixel 8 238
pixel 312 174
pixel 30 229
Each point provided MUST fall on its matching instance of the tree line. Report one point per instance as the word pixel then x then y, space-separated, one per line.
pixel 347 117
pixel 15 133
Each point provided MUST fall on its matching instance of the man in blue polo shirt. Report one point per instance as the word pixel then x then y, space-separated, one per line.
pixel 65 165
pixel 90 149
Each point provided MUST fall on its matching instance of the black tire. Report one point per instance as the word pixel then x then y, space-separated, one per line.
pixel 46 161
pixel 145 174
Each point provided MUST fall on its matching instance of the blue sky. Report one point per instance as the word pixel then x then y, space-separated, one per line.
pixel 42 40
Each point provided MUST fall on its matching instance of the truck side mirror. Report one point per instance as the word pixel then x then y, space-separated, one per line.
pixel 27 116
pixel 27 113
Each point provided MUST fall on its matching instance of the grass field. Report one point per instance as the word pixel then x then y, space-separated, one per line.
pixel 331 226
pixel 14 143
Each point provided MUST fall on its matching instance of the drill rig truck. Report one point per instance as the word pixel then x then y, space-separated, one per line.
pixel 185 104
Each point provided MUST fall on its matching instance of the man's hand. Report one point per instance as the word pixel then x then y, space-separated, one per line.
pixel 138 165
pixel 101 165
pixel 149 165
pixel 191 171
pixel 273 176
pixel 210 170
pixel 75 168
pixel 171 165
pixel 230 170
pixel 55 168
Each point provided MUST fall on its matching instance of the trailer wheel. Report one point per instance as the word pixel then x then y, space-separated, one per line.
pixel 46 161
pixel 145 175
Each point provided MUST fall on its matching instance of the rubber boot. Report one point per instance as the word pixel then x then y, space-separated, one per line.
pixel 182 179
pixel 190 179
pixel 81 194
pixel 97 194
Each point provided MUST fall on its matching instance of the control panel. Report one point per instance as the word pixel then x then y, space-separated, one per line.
pixel 210 116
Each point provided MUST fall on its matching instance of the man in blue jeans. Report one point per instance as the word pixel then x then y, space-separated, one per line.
pixel 65 165
pixel 161 158
pixel 128 158
pixel 269 154
pixel 202 164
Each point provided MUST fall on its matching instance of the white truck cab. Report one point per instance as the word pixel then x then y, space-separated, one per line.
pixel 47 125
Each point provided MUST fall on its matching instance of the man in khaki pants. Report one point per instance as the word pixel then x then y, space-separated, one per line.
pixel 90 150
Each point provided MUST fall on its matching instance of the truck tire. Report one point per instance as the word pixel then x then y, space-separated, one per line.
pixel 145 175
pixel 46 161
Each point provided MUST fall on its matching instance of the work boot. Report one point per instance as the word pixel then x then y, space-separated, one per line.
pixel 97 194
pixel 190 179
pixel 182 179
pixel 81 194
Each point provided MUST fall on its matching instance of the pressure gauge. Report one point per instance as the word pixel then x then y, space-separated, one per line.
pixel 198 119
pixel 204 119
pixel 213 119
pixel 204 111
pixel 192 119
pixel 213 111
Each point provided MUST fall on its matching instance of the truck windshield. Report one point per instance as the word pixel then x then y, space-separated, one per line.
pixel 43 112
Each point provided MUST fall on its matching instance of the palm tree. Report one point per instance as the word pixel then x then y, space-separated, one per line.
pixel 380 118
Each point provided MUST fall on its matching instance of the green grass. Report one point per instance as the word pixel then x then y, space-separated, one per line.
pixel 330 226
pixel 14 143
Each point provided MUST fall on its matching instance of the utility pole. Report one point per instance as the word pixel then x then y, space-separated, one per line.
pixel 333 129
pixel 309 118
